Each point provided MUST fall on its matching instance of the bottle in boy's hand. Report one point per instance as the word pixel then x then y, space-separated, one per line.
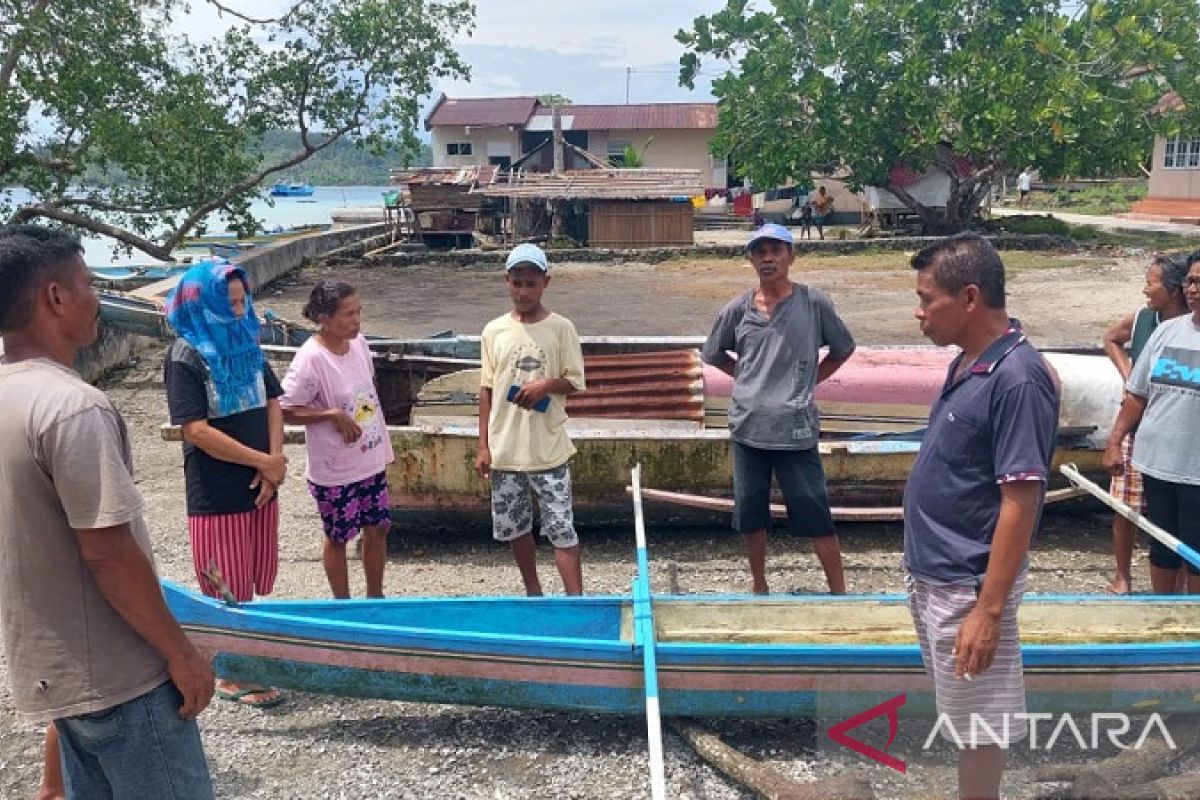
pixel 540 405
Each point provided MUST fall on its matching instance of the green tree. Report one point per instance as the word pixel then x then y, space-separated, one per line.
pixel 874 89
pixel 102 88
pixel 553 99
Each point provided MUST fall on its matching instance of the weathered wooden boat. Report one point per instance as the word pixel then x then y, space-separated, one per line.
pixel 651 402
pixel 789 656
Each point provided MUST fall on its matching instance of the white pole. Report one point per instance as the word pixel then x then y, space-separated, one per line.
pixel 643 615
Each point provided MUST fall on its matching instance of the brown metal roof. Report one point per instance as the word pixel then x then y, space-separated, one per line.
pixel 478 174
pixel 640 116
pixel 481 111
pixel 597 184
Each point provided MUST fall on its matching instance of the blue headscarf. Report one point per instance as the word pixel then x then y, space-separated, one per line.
pixel 199 311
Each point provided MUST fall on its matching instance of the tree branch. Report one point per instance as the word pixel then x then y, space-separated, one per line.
pixel 9 65
pixel 49 211
pixel 203 210
pixel 221 7
pixel 101 205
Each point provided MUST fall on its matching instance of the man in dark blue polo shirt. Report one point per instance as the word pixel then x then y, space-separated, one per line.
pixel 973 500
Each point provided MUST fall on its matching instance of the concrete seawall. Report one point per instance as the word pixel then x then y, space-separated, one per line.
pixel 263 265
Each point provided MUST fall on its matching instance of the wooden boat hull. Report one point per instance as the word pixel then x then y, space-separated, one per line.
pixel 433 479
pixel 579 654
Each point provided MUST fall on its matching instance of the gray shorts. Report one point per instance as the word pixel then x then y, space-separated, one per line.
pixel 993 698
pixel 512 505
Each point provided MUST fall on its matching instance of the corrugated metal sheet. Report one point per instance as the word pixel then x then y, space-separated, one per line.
pixel 481 111
pixel 640 116
pixel 612 184
pixel 652 386
pixel 668 385
pixel 446 176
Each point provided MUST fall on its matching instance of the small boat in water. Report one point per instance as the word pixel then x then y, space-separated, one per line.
pixel 133 276
pixel 811 656
pixel 291 189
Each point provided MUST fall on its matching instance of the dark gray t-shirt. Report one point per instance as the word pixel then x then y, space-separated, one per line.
pixel 772 405
pixel 1168 376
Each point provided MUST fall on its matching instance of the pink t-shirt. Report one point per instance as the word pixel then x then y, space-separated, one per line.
pixel 319 379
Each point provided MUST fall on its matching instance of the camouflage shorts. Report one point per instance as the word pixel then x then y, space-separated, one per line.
pixel 512 505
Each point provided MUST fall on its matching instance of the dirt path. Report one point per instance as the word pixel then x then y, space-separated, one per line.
pixel 1064 298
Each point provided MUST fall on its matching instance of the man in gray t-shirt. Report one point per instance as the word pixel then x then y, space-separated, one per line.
pixel 777 330
pixel 90 644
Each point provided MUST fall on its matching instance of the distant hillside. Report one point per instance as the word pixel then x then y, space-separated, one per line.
pixel 340 164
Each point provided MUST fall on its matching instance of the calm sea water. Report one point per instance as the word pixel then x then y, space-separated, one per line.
pixel 274 212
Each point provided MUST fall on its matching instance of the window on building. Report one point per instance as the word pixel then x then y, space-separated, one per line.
pixel 1182 153
pixel 458 149
pixel 616 151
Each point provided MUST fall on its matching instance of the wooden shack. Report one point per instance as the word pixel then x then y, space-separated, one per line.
pixel 609 207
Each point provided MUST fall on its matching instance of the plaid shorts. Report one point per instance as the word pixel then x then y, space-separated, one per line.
pixel 346 510
pixel 993 698
pixel 1128 487
pixel 512 505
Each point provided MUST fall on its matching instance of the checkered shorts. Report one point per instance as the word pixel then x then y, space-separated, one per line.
pixel 1127 487
pixel 512 505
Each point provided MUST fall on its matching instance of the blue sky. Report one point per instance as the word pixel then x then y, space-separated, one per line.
pixel 579 48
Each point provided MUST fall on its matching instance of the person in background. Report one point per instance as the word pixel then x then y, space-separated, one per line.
pixel 532 360
pixel 777 330
pixel 330 389
pixel 973 500
pixel 1162 401
pixel 223 395
pixel 822 208
pixel 1164 300
pixel 90 645
pixel 1024 185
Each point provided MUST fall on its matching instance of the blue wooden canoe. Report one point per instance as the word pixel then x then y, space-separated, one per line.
pixel 788 656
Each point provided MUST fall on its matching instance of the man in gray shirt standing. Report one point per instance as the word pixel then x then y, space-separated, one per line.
pixel 777 330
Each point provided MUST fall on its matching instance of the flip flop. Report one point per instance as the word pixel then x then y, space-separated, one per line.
pixel 241 697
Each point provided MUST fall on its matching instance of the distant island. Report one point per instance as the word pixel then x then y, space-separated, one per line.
pixel 340 164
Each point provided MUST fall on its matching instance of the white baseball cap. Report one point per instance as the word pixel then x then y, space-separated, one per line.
pixel 526 254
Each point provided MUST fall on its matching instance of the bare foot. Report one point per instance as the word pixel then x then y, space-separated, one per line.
pixel 1120 585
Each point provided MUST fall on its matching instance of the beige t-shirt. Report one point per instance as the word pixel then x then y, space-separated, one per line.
pixel 65 465
pixel 515 353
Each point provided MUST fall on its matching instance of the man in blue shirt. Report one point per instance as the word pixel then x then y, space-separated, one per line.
pixel 973 500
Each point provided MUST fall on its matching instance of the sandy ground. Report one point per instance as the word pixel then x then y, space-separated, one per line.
pixel 319 746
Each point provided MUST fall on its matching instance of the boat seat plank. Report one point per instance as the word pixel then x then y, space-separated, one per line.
pixel 875 622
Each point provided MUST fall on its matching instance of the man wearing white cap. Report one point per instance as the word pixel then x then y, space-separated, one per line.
pixel 531 360
pixel 777 330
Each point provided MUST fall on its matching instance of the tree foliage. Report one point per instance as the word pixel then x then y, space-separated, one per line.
pixel 970 88
pixel 104 88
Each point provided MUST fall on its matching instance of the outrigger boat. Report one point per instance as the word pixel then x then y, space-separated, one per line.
pixel 811 656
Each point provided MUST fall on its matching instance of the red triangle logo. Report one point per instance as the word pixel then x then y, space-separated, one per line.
pixel 890 707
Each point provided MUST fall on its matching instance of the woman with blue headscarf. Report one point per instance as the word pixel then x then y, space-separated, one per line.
pixel 222 392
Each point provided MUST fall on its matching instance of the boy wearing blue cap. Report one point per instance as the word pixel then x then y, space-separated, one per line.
pixel 531 360
pixel 777 330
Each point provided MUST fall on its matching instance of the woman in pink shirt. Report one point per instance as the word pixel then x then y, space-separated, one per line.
pixel 330 388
